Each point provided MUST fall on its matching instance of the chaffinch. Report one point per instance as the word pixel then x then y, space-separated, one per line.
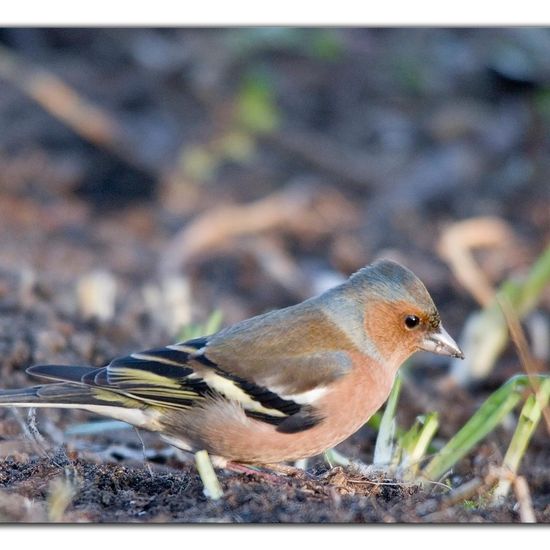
pixel 281 386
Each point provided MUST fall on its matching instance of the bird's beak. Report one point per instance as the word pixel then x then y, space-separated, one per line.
pixel 441 343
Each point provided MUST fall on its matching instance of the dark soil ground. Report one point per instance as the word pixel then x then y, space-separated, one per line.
pixel 130 493
pixel 363 143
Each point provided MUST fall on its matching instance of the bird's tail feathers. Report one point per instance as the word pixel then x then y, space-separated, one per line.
pixel 62 373
pixel 79 396
pixel 49 395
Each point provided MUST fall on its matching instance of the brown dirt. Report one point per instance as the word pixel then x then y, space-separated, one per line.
pixel 111 493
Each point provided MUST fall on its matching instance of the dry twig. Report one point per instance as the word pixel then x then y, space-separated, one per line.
pixel 523 496
pixel 521 490
pixel 528 363
pixel 456 245
pixel 302 209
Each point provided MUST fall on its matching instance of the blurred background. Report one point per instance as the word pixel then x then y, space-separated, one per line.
pixel 153 179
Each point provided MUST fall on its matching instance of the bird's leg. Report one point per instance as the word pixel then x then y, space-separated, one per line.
pixel 212 488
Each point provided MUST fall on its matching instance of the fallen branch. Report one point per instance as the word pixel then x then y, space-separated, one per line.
pixel 302 209
pixel 456 245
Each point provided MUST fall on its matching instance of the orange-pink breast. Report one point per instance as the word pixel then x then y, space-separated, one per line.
pixel 225 430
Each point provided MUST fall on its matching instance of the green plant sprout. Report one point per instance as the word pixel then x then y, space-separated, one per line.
pixel 403 454
pixel 384 447
pixel 485 334
pixel 254 114
pixel 487 418
pixel 195 330
pixel 528 421
pixel 414 444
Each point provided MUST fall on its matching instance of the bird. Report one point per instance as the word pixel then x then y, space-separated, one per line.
pixel 281 386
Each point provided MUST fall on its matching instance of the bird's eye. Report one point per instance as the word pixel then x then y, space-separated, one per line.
pixel 412 321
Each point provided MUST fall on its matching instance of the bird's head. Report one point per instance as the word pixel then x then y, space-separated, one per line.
pixel 399 315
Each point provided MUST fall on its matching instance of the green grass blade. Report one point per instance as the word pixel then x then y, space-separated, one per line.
pixel 335 458
pixel 488 416
pixel 531 289
pixel 375 420
pixel 195 330
pixel 527 423
pixel 214 322
pixel 416 449
pixel 383 450
pixel 407 442
pixel 483 338
pixel 431 424
pixel 485 334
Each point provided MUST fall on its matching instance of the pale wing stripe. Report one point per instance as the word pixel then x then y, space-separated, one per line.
pixel 231 391
pixel 168 392
pixel 181 347
pixel 112 394
pixel 140 376
pixel 156 359
pixel 164 404
pixel 305 398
